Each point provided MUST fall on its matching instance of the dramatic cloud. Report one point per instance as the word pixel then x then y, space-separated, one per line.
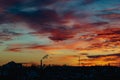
pixel 61 27
pixel 103 38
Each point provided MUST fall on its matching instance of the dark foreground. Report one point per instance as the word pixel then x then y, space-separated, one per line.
pixel 14 71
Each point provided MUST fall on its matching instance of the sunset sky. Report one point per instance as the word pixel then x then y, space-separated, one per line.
pixel 63 29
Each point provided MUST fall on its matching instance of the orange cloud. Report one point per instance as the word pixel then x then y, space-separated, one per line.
pixel 112 59
pixel 102 38
pixel 102 60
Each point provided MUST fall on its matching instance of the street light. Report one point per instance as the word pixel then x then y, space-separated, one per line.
pixel 41 61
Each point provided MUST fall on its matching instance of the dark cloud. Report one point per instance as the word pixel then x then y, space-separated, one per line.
pixel 39 19
pixel 99 23
pixel 98 56
pixel 10 3
pixel 4 3
pixel 26 10
pixel 46 2
pixel 37 16
pixel 86 2
pixel 42 20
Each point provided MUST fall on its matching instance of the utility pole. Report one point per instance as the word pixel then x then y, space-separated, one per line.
pixel 79 60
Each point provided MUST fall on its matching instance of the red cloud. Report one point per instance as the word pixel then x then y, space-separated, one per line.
pixel 106 38
pixel 111 16
pixel 14 49
pixel 59 35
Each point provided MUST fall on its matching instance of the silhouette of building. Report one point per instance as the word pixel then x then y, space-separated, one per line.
pixel 12 64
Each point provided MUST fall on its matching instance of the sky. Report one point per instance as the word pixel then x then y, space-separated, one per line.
pixel 62 29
